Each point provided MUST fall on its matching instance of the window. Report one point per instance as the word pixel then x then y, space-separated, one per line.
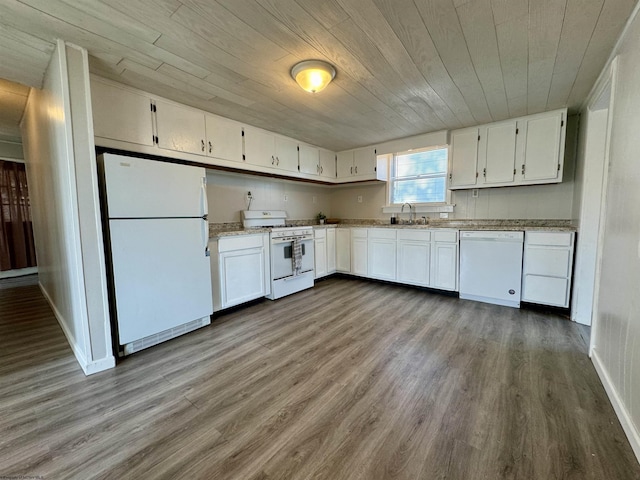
pixel 419 176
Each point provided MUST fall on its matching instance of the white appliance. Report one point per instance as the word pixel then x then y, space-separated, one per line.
pixel 491 267
pixel 156 230
pixel 285 239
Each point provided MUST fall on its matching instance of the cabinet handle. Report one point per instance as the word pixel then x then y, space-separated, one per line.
pixel 277 160
pixel 322 169
pixel 451 177
pixel 523 169
pixel 351 170
pixel 273 160
pixel 210 147
pixel 356 169
pixel 484 173
pixel 202 145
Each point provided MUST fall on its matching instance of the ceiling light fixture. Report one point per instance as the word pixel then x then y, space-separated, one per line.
pixel 313 75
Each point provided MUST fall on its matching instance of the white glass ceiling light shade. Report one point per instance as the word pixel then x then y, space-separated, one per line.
pixel 313 75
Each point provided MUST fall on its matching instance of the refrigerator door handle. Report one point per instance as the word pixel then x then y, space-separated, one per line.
pixel 205 236
pixel 203 197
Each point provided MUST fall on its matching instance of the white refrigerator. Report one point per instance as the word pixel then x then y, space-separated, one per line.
pixel 157 237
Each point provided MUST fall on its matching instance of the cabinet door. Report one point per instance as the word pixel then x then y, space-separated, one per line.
pixel 359 256
pixel 327 164
pixel 119 114
pixel 364 162
pixel 331 250
pixel 181 129
pixel 414 258
pixel 309 158
pixel 242 276
pixel 320 251
pixel 463 158
pixel 224 139
pixel 259 147
pixel 382 259
pixel 444 266
pixel 345 164
pixel 343 250
pixel 498 153
pixel 286 154
pixel 541 139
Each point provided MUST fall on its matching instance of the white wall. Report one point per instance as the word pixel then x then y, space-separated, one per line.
pixel 586 211
pixel 616 341
pixel 227 192
pixel 11 150
pixel 49 156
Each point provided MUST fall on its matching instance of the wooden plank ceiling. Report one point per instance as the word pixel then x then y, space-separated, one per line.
pixel 404 66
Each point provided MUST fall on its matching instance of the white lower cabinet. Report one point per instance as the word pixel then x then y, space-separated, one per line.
pixel 444 260
pixel 325 251
pixel 320 252
pixel 381 251
pixel 414 257
pixel 547 266
pixel 343 250
pixel 359 257
pixel 331 250
pixel 240 269
pixel 421 257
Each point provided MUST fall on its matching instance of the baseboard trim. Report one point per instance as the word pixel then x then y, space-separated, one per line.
pixel 618 405
pixel 21 272
pixel 89 368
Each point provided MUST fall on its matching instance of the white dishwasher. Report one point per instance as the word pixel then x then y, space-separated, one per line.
pixel 491 267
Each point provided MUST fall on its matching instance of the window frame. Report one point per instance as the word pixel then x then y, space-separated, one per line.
pixel 391 166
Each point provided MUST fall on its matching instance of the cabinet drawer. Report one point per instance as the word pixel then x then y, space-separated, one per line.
pixel 545 290
pixel 559 239
pixel 419 235
pixel 239 242
pixel 319 233
pixel 384 233
pixel 445 236
pixel 553 262
pixel 358 233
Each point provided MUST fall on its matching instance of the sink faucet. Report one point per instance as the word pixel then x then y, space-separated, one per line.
pixel 411 212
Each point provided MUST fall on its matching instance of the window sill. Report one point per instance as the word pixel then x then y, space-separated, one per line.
pixel 420 208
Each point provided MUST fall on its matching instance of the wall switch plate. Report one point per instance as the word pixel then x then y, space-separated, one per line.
pixel 474 193
pixel 285 198
pixel 444 215
pixel 359 198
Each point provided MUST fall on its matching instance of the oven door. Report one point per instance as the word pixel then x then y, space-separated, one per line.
pixel 282 261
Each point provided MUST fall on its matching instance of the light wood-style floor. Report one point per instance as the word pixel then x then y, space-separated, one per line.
pixel 349 380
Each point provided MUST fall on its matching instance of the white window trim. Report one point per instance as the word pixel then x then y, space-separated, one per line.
pixel 433 207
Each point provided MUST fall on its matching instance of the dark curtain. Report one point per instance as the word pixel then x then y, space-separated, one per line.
pixel 16 230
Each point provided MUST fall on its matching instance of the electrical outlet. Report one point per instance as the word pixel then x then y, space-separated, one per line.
pixel 314 199
pixel 285 198
pixel 444 215
pixel 359 198
pixel 474 193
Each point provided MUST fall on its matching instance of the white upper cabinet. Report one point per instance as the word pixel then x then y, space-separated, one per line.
pixel 357 164
pixel 522 151
pixel 119 114
pixel 259 147
pixel 309 160
pixel 224 138
pixel 463 158
pixel 327 164
pixel 264 149
pixel 286 154
pixel 180 128
pixel 541 147
pixel 497 152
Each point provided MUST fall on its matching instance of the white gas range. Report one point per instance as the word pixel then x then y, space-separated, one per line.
pixel 292 255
